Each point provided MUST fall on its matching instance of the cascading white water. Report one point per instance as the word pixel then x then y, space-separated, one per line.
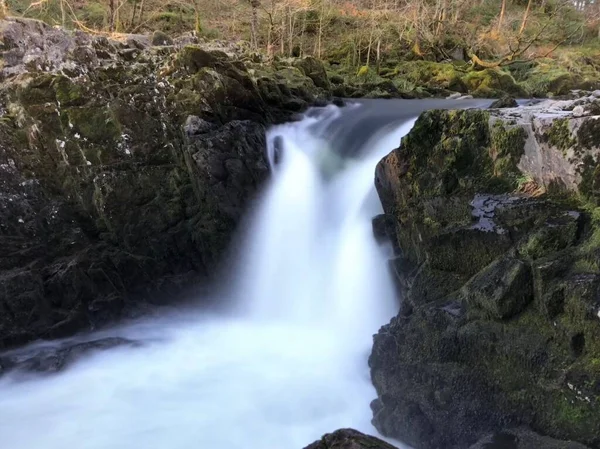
pixel 287 367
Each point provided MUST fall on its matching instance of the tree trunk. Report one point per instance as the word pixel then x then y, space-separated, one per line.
pixel 282 35
pixel 378 54
pixel 502 14
pixel 117 16
pixel 525 17
pixel 320 36
pixel 133 12
pixel 63 13
pixel 291 26
pixel 369 48
pixel 254 24
pixel 302 35
pixel 111 15
pixel 142 11
pixel 197 18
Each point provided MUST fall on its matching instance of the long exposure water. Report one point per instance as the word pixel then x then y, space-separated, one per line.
pixel 288 362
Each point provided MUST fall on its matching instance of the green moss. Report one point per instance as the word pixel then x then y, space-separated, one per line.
pixel 363 71
pixel 37 91
pixel 552 237
pixel 492 83
pixel 570 412
pixel 586 266
pixel 507 148
pixel 559 135
pixel 589 187
pixel 97 125
pixel 548 79
pixel 589 133
pixel 432 75
pixel 68 93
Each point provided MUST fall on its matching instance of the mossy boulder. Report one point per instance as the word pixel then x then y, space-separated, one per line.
pixel 429 74
pixel 314 69
pixel 491 83
pixel 495 217
pixel 504 102
pixel 160 38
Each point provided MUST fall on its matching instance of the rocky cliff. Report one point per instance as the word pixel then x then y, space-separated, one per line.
pixel 494 215
pixel 124 167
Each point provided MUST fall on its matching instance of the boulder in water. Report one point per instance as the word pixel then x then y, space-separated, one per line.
pixel 349 439
pixel 504 102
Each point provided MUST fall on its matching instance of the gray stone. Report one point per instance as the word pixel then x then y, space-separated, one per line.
pixel 578 111
pixel 195 125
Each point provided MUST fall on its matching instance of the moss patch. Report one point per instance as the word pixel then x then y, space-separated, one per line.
pixel 507 147
pixel 559 135
pixel 492 83
pixel 589 134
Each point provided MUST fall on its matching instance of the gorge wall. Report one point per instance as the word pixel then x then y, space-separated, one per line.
pixel 125 167
pixel 494 215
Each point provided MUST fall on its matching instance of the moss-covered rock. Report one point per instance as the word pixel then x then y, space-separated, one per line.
pixel 315 70
pixel 501 274
pixel 489 83
pixel 432 75
pixel 108 200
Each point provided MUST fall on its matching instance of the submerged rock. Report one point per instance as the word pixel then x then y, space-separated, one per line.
pixel 504 102
pixel 54 358
pixel 494 214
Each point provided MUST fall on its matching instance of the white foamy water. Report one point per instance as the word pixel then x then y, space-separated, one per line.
pixel 288 366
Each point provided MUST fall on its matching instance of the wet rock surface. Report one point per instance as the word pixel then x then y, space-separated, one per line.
pixel 349 439
pixel 494 219
pixel 125 166
pixel 522 439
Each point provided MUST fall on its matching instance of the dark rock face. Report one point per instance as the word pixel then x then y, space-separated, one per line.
pixel 523 439
pixel 500 325
pixel 124 169
pixel 349 439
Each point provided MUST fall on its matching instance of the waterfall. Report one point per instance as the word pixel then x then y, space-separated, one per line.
pixel 289 362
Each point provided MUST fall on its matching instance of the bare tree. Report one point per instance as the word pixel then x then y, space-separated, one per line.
pixel 255 4
pixel 525 17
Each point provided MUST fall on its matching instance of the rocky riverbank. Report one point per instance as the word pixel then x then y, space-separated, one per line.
pixel 125 166
pixel 494 215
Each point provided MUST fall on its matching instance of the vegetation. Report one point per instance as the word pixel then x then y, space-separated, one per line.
pixel 490 32
pixel 519 47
